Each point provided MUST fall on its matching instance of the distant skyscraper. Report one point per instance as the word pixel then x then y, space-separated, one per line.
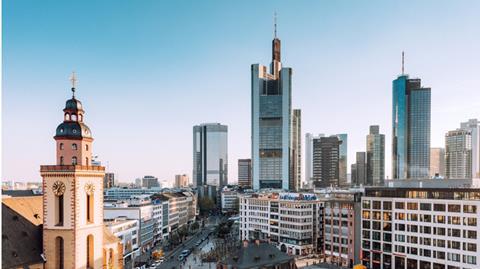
pixel 410 129
pixel 458 154
pixel 437 162
pixel 271 123
pixel 181 181
pixel 342 166
pixel 210 155
pixel 375 157
pixel 108 180
pixel 150 182
pixel 473 125
pixel 353 175
pixel 326 157
pixel 296 160
pixel 360 169
pixel 309 157
pixel 245 172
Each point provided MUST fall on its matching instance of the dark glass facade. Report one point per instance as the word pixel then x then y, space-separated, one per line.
pixel 410 129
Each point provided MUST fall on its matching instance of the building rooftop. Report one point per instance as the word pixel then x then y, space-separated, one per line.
pixel 22 232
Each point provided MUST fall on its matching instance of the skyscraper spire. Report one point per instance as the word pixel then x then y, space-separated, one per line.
pixel 403 63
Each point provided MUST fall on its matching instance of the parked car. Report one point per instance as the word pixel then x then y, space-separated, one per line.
pixel 181 257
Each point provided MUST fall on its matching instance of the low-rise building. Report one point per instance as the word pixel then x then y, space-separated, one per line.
pixel 341 227
pixel 127 230
pixel 419 227
pixel 290 221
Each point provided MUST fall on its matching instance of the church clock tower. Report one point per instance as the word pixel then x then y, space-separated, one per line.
pixel 73 196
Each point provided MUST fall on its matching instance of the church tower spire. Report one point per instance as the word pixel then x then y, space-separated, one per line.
pixel 73 196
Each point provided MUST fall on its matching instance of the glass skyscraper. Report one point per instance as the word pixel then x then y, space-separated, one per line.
pixel 271 123
pixel 410 129
pixel 375 157
pixel 296 159
pixel 343 161
pixel 210 155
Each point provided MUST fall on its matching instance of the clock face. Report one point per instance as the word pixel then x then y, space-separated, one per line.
pixel 58 188
pixel 89 188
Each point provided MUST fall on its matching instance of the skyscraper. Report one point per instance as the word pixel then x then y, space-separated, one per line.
pixel 360 169
pixel 458 154
pixel 437 162
pixel 473 125
pixel 271 123
pixel 309 157
pixel 326 157
pixel 343 161
pixel 210 155
pixel 245 172
pixel 296 160
pixel 150 182
pixel 375 157
pixel 181 181
pixel 108 180
pixel 410 128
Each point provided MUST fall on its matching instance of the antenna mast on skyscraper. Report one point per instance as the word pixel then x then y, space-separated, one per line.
pixel 403 62
pixel 275 24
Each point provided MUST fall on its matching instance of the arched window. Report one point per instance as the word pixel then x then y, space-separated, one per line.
pixel 110 258
pixel 89 207
pixel 59 253
pixel 59 210
pixel 74 160
pixel 80 117
pixel 90 251
pixel 67 116
pixel 61 160
pixel 61 146
pixel 74 146
pixel 86 147
pixel 74 117
pixel 86 161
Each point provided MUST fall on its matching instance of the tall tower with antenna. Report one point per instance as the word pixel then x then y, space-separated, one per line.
pixel 271 122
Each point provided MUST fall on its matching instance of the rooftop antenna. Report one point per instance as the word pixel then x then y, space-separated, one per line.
pixel 275 24
pixel 403 62
pixel 73 79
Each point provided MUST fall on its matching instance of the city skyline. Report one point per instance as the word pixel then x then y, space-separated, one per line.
pixel 123 85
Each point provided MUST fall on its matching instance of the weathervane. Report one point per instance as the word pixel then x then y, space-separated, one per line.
pixel 73 79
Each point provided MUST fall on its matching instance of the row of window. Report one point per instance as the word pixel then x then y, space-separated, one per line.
pixel 74 160
pixel 367 204
pixel 74 146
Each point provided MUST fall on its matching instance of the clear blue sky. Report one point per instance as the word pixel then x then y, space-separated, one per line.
pixel 150 70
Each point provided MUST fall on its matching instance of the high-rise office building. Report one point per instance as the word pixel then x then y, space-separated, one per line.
pixel 353 175
pixel 210 155
pixel 473 125
pixel 245 172
pixel 437 162
pixel 296 160
pixel 410 128
pixel 309 157
pixel 271 123
pixel 343 161
pixel 108 180
pixel 326 157
pixel 458 154
pixel 181 181
pixel 360 169
pixel 150 182
pixel 375 157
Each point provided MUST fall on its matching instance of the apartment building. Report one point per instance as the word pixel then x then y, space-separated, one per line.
pixel 290 221
pixel 127 230
pixel 419 228
pixel 341 226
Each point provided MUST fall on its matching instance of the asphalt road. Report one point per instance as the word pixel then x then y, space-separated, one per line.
pixel 172 262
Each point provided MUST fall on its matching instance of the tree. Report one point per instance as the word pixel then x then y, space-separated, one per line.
pixel 195 226
pixel 206 204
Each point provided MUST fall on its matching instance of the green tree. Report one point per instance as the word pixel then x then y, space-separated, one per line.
pixel 206 204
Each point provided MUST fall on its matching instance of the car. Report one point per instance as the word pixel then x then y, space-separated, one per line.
pixel 181 257
pixel 185 252
pixel 152 267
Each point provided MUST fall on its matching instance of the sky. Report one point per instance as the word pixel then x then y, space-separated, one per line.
pixel 150 70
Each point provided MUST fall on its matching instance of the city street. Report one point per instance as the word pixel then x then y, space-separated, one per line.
pixel 193 260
